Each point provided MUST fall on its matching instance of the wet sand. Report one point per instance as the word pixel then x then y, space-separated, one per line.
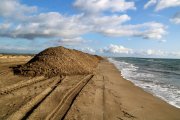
pixel 101 95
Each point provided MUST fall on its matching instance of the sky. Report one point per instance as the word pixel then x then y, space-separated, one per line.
pixel 127 28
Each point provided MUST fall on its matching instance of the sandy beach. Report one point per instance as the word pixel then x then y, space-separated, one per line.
pixel 90 60
pixel 109 96
pixel 101 95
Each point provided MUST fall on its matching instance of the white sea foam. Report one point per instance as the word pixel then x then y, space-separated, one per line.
pixel 149 82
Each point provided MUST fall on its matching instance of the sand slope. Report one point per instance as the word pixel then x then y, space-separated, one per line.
pixel 58 61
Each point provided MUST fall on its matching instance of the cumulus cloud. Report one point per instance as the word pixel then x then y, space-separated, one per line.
pixel 116 49
pixel 176 18
pixel 155 30
pixel 151 30
pixel 56 25
pixel 162 4
pixel 13 9
pixel 50 24
pixel 96 6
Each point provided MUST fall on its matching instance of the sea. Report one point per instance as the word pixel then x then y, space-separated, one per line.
pixel 160 77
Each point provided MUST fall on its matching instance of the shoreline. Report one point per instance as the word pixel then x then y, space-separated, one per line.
pixel 108 95
pixel 140 85
pixel 146 92
pixel 155 99
pixel 153 94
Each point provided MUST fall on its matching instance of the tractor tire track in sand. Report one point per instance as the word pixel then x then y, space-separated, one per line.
pixel 28 107
pixel 64 105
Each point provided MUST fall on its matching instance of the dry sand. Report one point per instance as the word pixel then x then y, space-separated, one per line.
pixel 109 96
pixel 101 95
pixel 59 61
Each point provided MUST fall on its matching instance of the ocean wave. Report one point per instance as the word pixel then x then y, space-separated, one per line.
pixel 149 81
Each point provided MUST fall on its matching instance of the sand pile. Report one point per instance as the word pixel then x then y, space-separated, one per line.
pixel 59 61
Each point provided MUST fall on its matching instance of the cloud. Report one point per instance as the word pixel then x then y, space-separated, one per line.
pixel 113 20
pixel 65 27
pixel 44 25
pixel 176 18
pixel 150 3
pixel 175 54
pixel 88 50
pixel 14 48
pixel 116 49
pixel 10 48
pixel 151 52
pixel 13 9
pixel 151 30
pixel 54 24
pixel 162 4
pixel 71 41
pixel 4 27
pixel 156 53
pixel 120 50
pixel 154 31
pixel 97 6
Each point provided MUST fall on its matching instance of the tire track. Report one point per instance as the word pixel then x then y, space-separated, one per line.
pixel 3 72
pixel 25 110
pixel 97 107
pixel 60 111
pixel 21 84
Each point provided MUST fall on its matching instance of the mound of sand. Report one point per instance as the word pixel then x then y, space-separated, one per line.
pixel 58 61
